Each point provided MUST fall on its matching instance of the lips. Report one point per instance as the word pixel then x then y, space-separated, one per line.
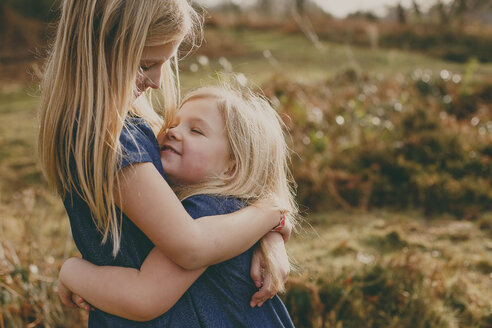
pixel 169 148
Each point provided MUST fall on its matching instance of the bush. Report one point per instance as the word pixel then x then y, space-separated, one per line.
pixel 419 142
pixel 383 295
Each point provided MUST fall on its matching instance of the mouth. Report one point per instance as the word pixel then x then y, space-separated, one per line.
pixel 168 148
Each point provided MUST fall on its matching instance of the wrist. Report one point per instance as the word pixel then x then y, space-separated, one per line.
pixel 281 223
pixel 274 237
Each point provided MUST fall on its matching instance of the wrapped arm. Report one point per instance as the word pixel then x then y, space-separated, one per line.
pixel 139 295
pixel 151 204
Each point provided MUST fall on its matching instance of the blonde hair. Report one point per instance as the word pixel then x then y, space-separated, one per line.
pixel 89 87
pixel 259 153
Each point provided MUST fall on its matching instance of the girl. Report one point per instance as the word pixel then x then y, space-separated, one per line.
pixel 98 149
pixel 224 149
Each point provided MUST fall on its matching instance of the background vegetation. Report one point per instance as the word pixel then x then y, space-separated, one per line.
pixel 391 128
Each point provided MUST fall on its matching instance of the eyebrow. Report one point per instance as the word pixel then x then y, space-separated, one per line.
pixel 153 60
pixel 200 120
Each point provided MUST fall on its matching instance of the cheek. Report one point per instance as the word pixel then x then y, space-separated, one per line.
pixel 200 163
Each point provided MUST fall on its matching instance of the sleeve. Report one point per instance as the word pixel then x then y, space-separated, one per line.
pixel 135 145
pixel 206 205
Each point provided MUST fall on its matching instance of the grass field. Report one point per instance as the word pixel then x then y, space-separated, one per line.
pixel 358 269
pixel 297 57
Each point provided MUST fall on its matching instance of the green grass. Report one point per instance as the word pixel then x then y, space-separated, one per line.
pixel 18 133
pixel 295 56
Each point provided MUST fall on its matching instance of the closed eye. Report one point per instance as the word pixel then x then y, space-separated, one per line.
pixel 197 131
pixel 145 68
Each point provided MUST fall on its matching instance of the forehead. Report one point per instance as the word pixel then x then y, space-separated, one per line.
pixel 203 108
pixel 199 106
pixel 159 53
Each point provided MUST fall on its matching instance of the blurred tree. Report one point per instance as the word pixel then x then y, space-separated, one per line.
pixel 442 12
pixel 265 7
pixel 402 16
pixel 459 9
pixel 367 15
pixel 416 11
pixel 300 6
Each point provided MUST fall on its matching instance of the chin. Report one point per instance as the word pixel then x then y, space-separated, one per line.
pixel 174 180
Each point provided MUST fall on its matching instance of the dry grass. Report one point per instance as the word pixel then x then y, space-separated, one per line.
pixel 379 258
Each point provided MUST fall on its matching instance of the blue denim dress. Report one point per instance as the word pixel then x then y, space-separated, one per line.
pixel 221 295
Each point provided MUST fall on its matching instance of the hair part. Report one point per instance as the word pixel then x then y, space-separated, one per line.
pixel 89 87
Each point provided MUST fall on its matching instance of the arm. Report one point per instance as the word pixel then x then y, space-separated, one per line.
pixel 151 204
pixel 126 292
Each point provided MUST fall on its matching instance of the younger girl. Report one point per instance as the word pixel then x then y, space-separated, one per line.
pixel 224 149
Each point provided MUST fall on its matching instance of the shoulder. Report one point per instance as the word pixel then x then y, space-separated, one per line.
pixel 205 205
pixel 135 132
pixel 138 142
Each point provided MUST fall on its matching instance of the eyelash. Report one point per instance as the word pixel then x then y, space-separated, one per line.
pixel 145 68
pixel 194 130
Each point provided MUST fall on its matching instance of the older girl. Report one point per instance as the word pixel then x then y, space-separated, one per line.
pixel 223 150
pixel 98 149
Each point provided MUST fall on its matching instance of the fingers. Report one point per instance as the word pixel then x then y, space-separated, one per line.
pixel 67 301
pixel 265 293
pixel 81 303
pixel 72 300
pixel 65 296
pixel 256 268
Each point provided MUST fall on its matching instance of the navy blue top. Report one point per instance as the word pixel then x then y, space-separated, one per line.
pixel 139 145
pixel 219 298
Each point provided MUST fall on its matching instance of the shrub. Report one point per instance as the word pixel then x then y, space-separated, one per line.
pixel 419 141
pixel 389 294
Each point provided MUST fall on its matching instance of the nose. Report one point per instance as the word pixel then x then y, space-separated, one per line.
pixel 153 78
pixel 174 133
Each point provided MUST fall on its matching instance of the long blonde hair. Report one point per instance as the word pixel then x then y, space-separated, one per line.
pixel 89 87
pixel 259 153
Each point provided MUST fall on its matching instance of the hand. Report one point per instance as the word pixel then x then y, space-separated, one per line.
pixel 286 230
pixel 264 279
pixel 81 303
pixel 261 279
pixel 65 295
pixel 70 299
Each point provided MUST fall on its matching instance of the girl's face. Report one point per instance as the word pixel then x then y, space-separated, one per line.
pixel 195 146
pixel 153 57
